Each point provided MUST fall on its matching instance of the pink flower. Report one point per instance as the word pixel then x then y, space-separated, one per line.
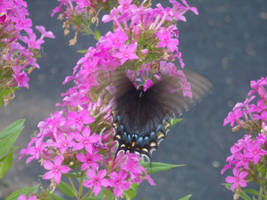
pixel 96 180
pixel 117 180
pixel 125 4
pixel 16 29
pixel 226 167
pixel 258 86
pixel 86 140
pixel 23 197
pixel 89 160
pixel 55 169
pixel 255 152
pixel 23 23
pixel 132 166
pixel 31 41
pixel 83 3
pixel 179 9
pixel 64 142
pixel 21 77
pixel 165 37
pixel 35 151
pixel 2 18
pixel 238 179
pixel 32 197
pixel 233 117
pixel 126 53
pixel 44 33
pixel 135 170
pixel 113 15
pixel 79 119
pixel 116 39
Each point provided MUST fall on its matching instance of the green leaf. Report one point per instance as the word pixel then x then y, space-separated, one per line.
pixel 244 196
pixel 72 175
pixel 227 186
pixel 175 121
pixel 26 191
pixel 66 189
pixel 4 91
pixel 15 126
pixel 97 35
pixel 54 197
pixel 131 193
pixel 9 135
pixel 6 162
pixel 158 166
pixel 187 197
pixel 83 51
pixel 252 191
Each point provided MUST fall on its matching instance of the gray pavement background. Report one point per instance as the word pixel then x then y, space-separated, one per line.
pixel 227 43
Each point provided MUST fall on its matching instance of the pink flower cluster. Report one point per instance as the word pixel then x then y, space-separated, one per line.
pixel 245 112
pixel 246 153
pixel 18 42
pixel 80 14
pixel 65 142
pixel 79 137
pixel 250 150
pixel 70 8
pixel 154 30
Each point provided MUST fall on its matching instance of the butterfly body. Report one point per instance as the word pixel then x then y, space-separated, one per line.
pixel 139 121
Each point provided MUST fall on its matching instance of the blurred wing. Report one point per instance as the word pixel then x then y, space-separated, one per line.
pixel 141 119
pixel 175 103
pixel 159 102
pixel 200 86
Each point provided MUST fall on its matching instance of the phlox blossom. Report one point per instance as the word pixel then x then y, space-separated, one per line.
pixel 89 160
pixel 56 169
pixel 78 119
pixel 86 140
pixel 24 197
pixel 126 53
pixel 96 180
pixel 117 180
pixel 237 180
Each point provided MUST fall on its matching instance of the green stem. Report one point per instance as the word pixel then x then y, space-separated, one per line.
pixel 88 194
pixel 262 191
pixel 73 187
pixel 81 186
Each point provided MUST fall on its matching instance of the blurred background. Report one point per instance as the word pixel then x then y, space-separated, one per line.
pixel 226 43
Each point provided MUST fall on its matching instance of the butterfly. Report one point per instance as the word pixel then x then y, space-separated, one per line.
pixel 141 118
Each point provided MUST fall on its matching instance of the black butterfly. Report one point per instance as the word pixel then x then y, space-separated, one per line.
pixel 142 118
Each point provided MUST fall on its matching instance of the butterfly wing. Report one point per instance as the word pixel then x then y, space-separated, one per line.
pixel 175 103
pixel 141 119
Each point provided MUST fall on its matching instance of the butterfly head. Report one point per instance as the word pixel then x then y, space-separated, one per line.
pixel 140 91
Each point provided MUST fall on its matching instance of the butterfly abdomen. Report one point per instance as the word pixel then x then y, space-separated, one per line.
pixel 134 142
